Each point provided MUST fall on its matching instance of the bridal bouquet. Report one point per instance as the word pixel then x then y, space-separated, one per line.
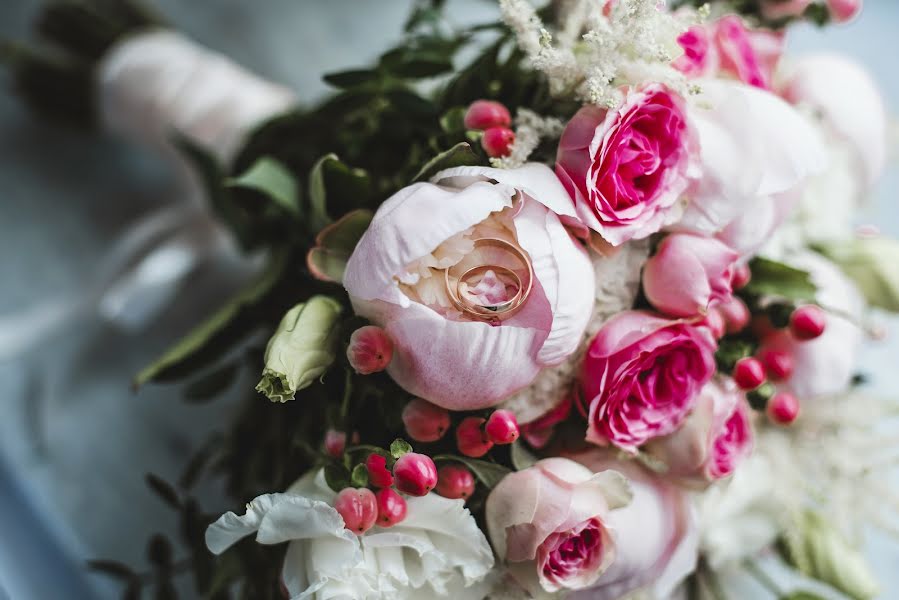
pixel 579 319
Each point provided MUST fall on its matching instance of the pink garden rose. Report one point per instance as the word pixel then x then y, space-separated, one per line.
pixel 689 274
pixel 713 441
pixel 627 168
pixel 396 279
pixel 641 376
pixel 548 523
pixel 728 47
pixel 656 535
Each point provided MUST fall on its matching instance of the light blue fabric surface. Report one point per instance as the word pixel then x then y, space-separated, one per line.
pixel 74 442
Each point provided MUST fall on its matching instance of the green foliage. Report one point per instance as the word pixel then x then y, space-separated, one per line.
pixel 873 264
pixel 334 245
pixel 772 278
pixel 399 447
pixel 460 155
pixel 488 473
pixel 271 179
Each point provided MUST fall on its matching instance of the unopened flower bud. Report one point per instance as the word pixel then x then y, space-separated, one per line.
pixel 415 474
pixel 302 349
pixel 391 507
pixel 455 481
pixel 425 422
pixel 358 507
pixel 370 350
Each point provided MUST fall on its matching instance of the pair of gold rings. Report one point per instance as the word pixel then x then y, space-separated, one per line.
pixel 522 280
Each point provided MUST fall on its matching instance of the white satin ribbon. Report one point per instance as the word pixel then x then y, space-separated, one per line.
pixel 156 83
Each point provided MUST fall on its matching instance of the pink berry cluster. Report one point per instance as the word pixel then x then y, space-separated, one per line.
pixel 475 436
pixel 493 119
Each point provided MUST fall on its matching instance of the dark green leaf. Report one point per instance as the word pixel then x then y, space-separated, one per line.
pixel 453 120
pixel 132 591
pixel 351 78
pixel 331 177
pixel 165 590
pixel 407 101
pixel 487 473
pixel 336 476
pixel 163 489
pixel 460 155
pixel 420 68
pixel 159 551
pixel 522 458
pixel 218 333
pixel 334 245
pixel 274 181
pixel 772 278
pixel 359 477
pixel 399 447
pixel 112 569
pixel 212 384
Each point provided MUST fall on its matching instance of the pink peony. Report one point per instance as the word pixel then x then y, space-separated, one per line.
pixel 656 537
pixel 548 523
pixel 396 279
pixel 714 439
pixel 688 274
pixel 641 376
pixel 728 47
pixel 627 168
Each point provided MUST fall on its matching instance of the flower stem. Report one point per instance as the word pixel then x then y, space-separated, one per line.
pixel 762 578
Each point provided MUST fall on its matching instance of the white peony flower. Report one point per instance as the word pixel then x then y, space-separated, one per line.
pixel 436 552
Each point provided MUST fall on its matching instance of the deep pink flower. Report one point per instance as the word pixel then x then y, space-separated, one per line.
pixel 641 377
pixel 732 443
pixel 625 169
pixel 689 274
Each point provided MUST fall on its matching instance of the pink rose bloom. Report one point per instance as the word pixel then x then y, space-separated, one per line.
pixel 689 274
pixel 850 104
pixel 641 376
pixel 728 47
pixel 756 151
pixel 656 535
pixel 713 441
pixel 396 279
pixel 547 523
pixel 825 365
pixel 627 168
pixel 782 9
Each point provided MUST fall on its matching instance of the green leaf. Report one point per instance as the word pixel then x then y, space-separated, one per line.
pixel 407 101
pixel 163 489
pixel 421 68
pixel 802 595
pixel 212 384
pixel 359 476
pixel 399 447
pixel 336 476
pixel 217 334
pixel 772 278
pixel 351 78
pixel 873 264
pixel 522 458
pixel 460 155
pixel 453 120
pixel 159 551
pixel 334 245
pixel 487 473
pixel 273 180
pixel 331 177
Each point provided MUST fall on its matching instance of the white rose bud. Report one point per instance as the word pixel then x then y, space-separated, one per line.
pixel 302 349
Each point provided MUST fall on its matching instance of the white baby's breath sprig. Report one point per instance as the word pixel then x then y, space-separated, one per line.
pixel 530 128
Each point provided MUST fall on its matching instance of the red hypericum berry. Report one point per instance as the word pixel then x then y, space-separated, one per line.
pixel 502 427
pixel 415 474
pixel 736 314
pixel 335 443
pixel 425 422
pixel 778 363
pixel 715 322
pixel 749 373
pixel 455 481
pixel 370 350
pixel 378 473
pixel 391 507
pixel 843 11
pixel 471 439
pixel 807 322
pixel 484 114
pixel 497 141
pixel 783 408
pixel 742 275
pixel 358 507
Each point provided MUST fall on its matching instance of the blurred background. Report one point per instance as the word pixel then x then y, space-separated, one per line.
pixel 75 441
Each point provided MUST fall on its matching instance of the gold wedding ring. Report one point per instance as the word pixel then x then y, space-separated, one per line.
pixel 492 312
